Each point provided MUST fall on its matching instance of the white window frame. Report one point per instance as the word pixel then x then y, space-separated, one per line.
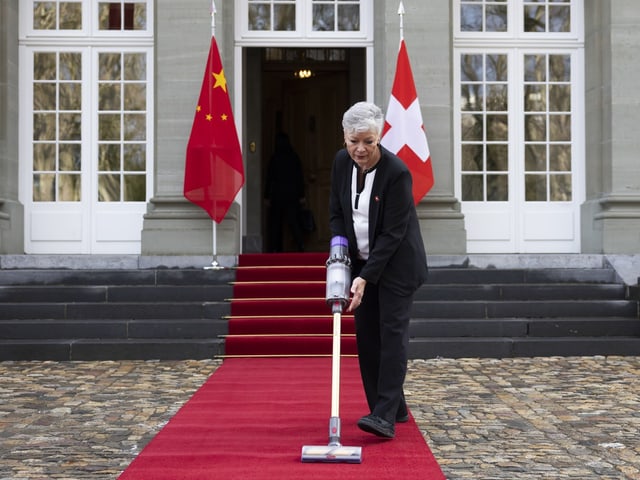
pixel 515 44
pixel 95 233
pixel 304 32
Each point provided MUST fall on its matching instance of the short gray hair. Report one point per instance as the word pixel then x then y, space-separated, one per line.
pixel 363 117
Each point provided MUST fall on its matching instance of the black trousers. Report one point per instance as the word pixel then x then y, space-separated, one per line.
pixel 382 336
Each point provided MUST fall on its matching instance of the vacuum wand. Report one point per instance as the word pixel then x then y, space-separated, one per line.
pixel 337 296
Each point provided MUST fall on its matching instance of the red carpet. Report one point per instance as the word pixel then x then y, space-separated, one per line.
pixel 252 417
pixel 279 309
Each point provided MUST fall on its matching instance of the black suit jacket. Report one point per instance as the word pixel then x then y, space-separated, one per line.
pixel 397 258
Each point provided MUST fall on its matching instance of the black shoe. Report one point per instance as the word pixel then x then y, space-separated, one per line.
pixel 402 418
pixel 376 425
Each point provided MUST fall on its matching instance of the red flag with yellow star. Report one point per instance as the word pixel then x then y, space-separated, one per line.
pixel 213 173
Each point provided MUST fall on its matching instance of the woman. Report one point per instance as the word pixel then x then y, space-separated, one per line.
pixel 372 205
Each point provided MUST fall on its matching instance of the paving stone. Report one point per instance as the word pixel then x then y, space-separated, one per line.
pixel 575 418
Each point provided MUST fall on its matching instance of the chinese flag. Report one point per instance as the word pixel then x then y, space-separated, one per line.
pixel 403 132
pixel 214 173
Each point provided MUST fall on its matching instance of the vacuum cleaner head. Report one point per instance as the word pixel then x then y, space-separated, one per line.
pixel 331 454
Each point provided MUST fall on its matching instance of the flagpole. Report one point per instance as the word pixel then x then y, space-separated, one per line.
pixel 214 264
pixel 401 14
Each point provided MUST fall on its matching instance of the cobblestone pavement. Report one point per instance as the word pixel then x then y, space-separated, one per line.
pixel 544 418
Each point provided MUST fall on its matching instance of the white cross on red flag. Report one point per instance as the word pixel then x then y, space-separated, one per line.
pixel 403 132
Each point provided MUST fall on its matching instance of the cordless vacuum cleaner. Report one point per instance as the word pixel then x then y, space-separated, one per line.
pixel 338 292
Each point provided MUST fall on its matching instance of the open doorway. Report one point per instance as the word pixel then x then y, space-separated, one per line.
pixel 303 92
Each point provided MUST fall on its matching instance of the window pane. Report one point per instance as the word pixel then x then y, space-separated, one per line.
pixel 535 188
pixel 470 18
pixel 70 66
pixel 135 96
pixel 559 98
pixel 108 157
pixel 472 158
pixel 472 188
pixel 135 66
pixel 535 128
pixel 109 66
pixel 44 96
pixel 109 96
pixel 472 128
pixel 496 18
pixel 535 68
pixel 472 97
pixel 285 17
pixel 471 68
pixel 69 157
pixel 497 128
pixel 348 18
pixel 109 127
pixel 259 16
pixel 44 15
pixel 44 126
pixel 535 158
pixel 534 18
pixel 559 18
pixel 560 128
pixel 70 16
pixel 44 157
pixel 496 68
pixel 497 188
pixel 68 188
pixel 559 68
pixel 134 188
pixel 139 16
pixel 560 186
pixel 497 98
pixel 497 158
pixel 135 158
pixel 135 127
pixel 70 96
pixel 70 126
pixel 535 98
pixel 323 18
pixel 560 158
pixel 44 187
pixel 44 66
pixel 109 188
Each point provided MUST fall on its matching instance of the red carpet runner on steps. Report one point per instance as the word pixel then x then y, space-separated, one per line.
pixel 253 415
pixel 279 308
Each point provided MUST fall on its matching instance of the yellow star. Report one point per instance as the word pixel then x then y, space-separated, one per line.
pixel 220 80
pixel 209 117
pixel 223 116
pixel 198 108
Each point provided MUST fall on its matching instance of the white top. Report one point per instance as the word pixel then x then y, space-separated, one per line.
pixel 360 209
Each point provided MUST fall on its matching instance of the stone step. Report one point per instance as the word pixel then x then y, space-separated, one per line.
pixel 177 328
pixel 504 347
pixel 525 327
pixel 110 349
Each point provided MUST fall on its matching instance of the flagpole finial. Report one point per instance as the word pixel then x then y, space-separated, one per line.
pixel 401 15
pixel 213 18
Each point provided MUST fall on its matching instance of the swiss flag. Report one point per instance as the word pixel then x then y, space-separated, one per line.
pixel 214 172
pixel 403 132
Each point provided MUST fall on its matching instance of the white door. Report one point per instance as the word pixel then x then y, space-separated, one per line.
pixel 519 126
pixel 85 131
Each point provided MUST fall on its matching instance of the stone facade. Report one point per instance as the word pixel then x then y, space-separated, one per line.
pixel 610 215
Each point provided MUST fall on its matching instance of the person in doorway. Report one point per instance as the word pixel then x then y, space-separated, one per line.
pixel 371 204
pixel 284 194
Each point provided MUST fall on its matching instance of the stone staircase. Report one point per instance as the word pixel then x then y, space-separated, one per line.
pixel 497 313
pixel 60 314
pixel 164 313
